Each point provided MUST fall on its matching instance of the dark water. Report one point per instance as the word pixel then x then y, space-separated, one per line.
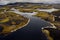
pixel 30 32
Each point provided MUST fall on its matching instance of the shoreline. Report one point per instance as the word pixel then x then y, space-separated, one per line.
pixel 21 26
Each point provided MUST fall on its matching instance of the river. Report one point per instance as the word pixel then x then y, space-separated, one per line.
pixel 30 32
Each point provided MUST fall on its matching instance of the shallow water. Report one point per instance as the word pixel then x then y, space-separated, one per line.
pixel 48 10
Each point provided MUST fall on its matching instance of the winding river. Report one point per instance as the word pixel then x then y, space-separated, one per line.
pixel 30 32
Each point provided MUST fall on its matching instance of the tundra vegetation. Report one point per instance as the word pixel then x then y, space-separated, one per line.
pixel 10 21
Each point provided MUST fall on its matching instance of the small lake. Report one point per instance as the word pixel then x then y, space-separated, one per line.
pixel 48 10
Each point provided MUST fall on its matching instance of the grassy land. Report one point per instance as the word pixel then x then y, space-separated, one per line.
pixel 47 17
pixel 16 21
pixel 43 15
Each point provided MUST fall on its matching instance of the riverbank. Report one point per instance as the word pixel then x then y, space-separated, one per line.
pixel 15 22
pixel 21 26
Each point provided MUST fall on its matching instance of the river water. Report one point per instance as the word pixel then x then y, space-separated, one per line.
pixel 30 32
